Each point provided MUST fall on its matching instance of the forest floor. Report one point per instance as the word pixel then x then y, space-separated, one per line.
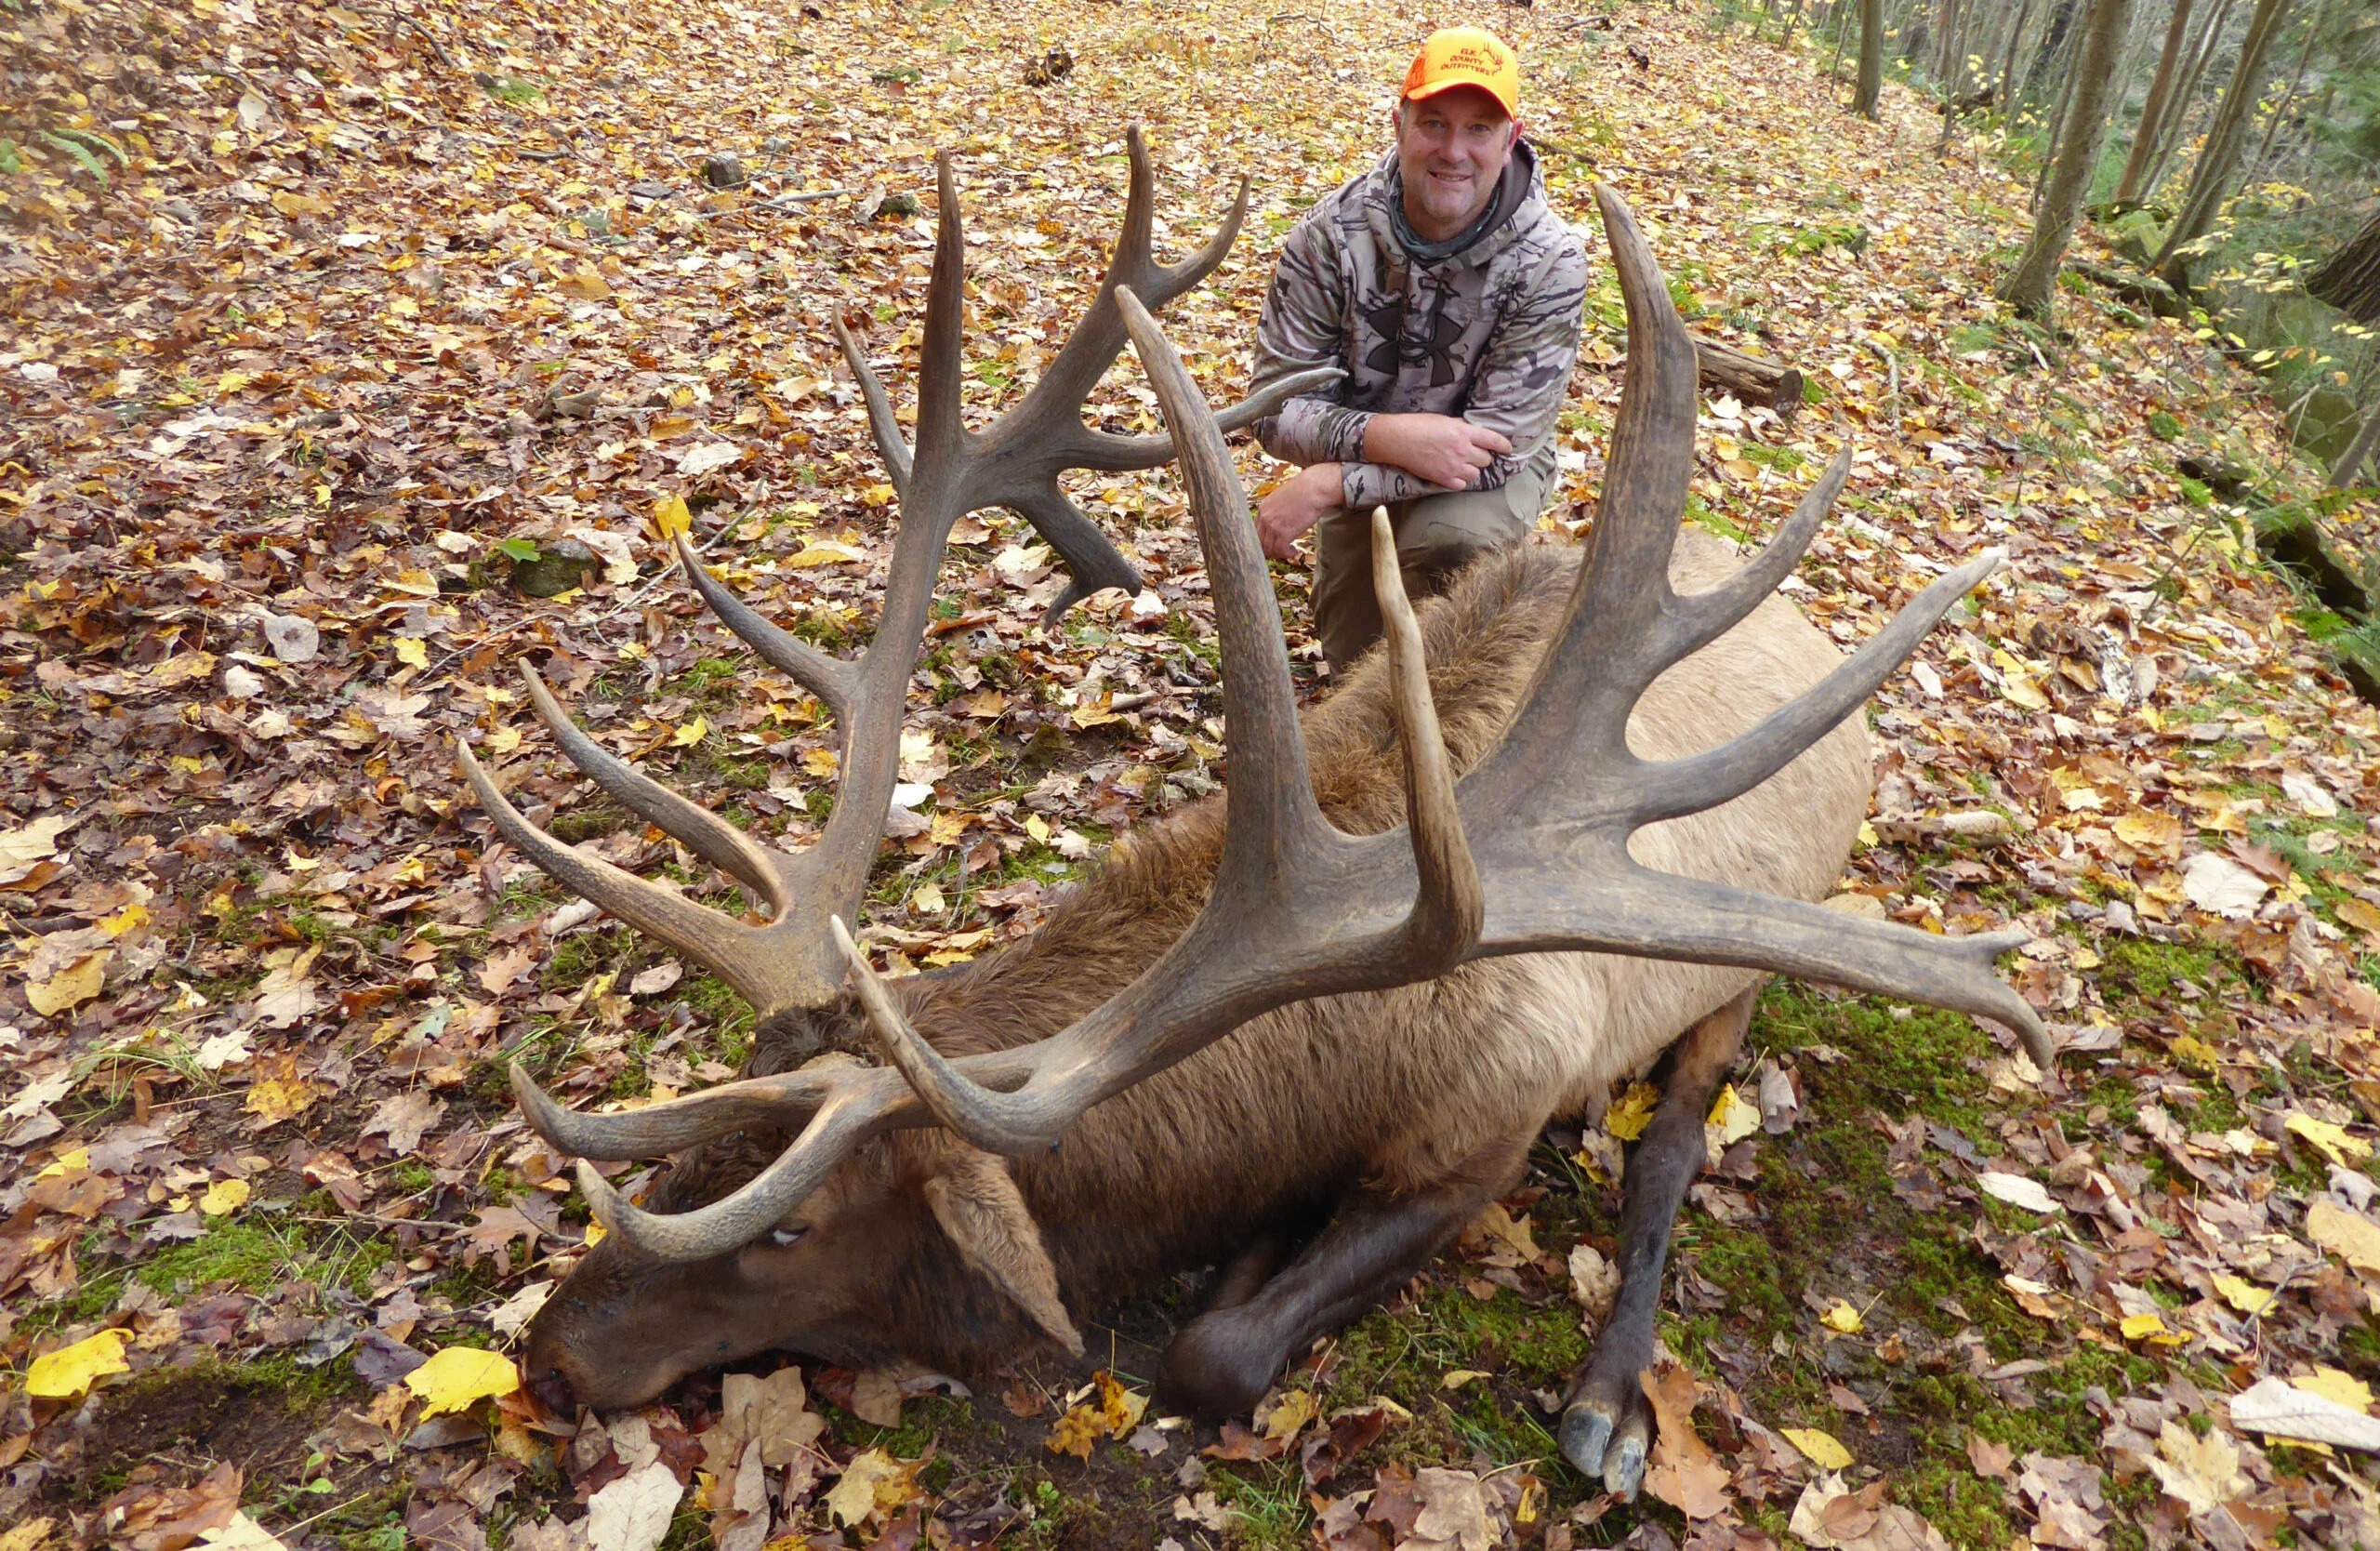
pixel 288 323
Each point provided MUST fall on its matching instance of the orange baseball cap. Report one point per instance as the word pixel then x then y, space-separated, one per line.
pixel 1466 57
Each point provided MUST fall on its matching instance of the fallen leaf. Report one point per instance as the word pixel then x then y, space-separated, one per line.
pixel 67 1372
pixel 873 1483
pixel 1824 1450
pixel 2242 1295
pixel 2279 1408
pixel 2333 1142
pixel 2352 1236
pixel 2216 883
pixel 1684 1473
pixel 1842 1319
pixel 223 1198
pixel 456 1377
pixel 2016 1190
pixel 403 1118
pixel 2200 1472
pixel 1633 1112
pixel 71 986
pixel 632 1513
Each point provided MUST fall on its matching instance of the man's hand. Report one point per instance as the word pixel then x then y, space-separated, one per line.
pixel 1443 449
pixel 1295 504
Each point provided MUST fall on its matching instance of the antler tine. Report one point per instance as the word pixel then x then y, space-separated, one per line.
pixel 890 446
pixel 657 1129
pixel 1449 905
pixel 705 833
pixel 723 945
pixel 1698 620
pixel 1112 454
pixel 828 678
pixel 1707 779
pixel 941 429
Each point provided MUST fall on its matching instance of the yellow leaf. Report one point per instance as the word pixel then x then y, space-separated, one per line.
pixel 825 551
pixel 1038 826
pixel 132 915
pixel 1075 1432
pixel 2145 830
pixel 1735 1119
pixel 821 763
pixel 877 495
pixel 2345 1151
pixel 2243 1294
pixel 69 1162
pixel 873 1483
pixel 456 1378
pixel 2361 915
pixel 671 517
pixel 504 740
pixel 67 1372
pixel 224 1196
pixel 2021 689
pixel 2135 1326
pixel 2193 1052
pixel 1825 1451
pixel 1843 1318
pixel 691 734
pixel 2350 1236
pixel 1628 1117
pixel 1459 1377
pixel 1121 1409
pixel 71 986
pixel 413 651
pixel 2332 1385
pixel 595 1232
pixel 928 900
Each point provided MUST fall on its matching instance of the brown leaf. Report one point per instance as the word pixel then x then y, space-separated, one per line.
pixel 402 1119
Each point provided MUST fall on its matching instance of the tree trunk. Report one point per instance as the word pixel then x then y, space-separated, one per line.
pixel 2008 60
pixel 2296 82
pixel 2173 131
pixel 1872 59
pixel 2359 451
pixel 2030 289
pixel 2152 112
pixel 2350 279
pixel 2061 19
pixel 2211 180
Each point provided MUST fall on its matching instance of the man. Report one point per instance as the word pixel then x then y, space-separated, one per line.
pixel 1452 295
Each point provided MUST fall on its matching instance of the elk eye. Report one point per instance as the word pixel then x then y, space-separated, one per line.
pixel 784 1237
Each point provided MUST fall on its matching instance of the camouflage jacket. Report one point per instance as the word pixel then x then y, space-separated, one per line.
pixel 1489 333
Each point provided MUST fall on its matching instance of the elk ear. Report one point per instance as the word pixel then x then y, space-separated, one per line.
pixel 977 1203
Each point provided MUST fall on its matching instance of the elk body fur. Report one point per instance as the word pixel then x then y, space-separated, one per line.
pixel 1266 1131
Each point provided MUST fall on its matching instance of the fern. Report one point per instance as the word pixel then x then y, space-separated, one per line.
pixel 79 154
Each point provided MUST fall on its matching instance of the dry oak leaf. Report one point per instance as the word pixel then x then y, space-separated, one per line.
pixel 67 1372
pixel 454 1379
pixel 22 850
pixel 71 986
pixel 502 968
pixel 402 1118
pixel 286 994
pixel 772 1412
pixel 1685 1474
pixel 1828 1516
pixel 2345 1151
pixel 277 1094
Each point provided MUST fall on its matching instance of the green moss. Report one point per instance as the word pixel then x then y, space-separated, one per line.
pixel 247 1252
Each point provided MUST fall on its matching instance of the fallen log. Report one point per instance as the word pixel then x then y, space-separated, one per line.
pixel 1750 378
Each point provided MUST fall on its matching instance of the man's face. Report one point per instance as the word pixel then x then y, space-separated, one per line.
pixel 1452 148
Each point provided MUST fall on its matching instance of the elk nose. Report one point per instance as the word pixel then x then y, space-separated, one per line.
pixel 553 1386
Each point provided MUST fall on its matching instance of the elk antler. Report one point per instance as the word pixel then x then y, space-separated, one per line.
pixel 1017 462
pixel 792 962
pixel 1300 910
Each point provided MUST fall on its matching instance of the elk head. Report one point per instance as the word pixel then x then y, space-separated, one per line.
pixel 846 1179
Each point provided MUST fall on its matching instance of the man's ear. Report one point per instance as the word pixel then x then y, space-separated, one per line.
pixel 977 1203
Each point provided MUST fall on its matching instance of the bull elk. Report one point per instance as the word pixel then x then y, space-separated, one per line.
pixel 1563 819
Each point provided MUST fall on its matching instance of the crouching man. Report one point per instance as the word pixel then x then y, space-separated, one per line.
pixel 1446 289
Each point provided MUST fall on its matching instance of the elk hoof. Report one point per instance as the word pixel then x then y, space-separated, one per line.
pixel 1216 1368
pixel 1597 1444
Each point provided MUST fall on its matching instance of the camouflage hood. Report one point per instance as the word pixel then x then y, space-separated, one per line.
pixel 1488 332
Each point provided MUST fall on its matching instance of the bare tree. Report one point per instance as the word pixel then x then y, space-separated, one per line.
pixel 2225 139
pixel 1872 59
pixel 2152 112
pixel 2029 289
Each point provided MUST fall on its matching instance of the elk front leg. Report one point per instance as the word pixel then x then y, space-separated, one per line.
pixel 1223 1361
pixel 1607 1426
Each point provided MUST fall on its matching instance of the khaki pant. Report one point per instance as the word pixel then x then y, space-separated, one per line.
pixel 1436 536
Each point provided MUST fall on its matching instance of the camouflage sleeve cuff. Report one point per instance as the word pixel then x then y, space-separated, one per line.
pixel 1363 485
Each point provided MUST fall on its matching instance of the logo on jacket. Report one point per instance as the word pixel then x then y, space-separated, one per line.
pixel 1408 341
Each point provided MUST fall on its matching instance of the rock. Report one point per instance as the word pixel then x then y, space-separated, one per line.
pixel 562 565
pixel 650 191
pixel 898 205
pixel 775 145
pixel 723 169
